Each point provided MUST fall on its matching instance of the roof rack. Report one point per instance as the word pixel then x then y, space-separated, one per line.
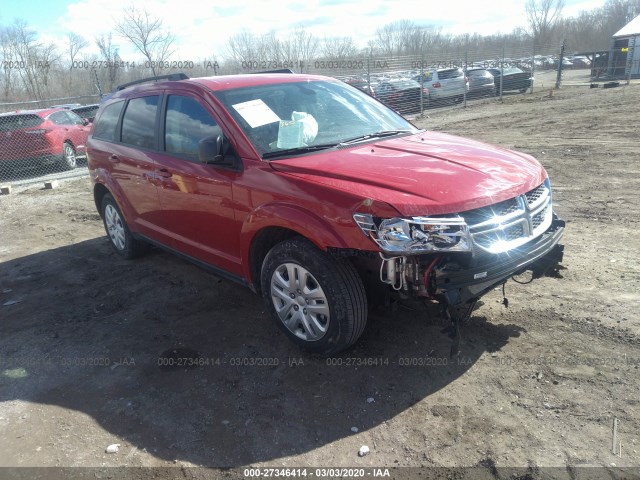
pixel 174 77
pixel 281 70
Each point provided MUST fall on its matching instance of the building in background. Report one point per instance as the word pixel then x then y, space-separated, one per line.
pixel 624 60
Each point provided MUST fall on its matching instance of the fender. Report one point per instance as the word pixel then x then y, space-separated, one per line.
pixel 292 217
pixel 101 176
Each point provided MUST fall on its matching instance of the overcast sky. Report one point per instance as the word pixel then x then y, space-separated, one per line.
pixel 202 27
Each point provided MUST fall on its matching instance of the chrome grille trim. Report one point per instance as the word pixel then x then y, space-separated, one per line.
pixel 501 227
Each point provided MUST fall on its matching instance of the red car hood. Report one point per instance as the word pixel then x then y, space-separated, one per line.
pixel 424 174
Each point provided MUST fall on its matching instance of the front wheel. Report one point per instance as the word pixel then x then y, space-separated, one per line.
pixel 318 301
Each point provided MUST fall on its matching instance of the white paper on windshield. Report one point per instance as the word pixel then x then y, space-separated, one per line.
pixel 290 134
pixel 256 113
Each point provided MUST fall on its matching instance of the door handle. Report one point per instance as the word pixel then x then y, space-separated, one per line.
pixel 114 159
pixel 164 173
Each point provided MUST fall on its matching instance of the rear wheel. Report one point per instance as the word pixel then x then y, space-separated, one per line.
pixel 117 230
pixel 68 160
pixel 318 301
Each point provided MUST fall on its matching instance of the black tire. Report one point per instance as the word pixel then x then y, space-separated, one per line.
pixel 120 238
pixel 68 160
pixel 339 284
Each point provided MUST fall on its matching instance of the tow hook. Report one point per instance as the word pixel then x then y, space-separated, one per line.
pixel 457 315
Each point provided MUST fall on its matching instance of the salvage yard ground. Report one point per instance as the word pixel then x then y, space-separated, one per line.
pixel 537 384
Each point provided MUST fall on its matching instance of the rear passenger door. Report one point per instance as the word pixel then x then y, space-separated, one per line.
pixel 123 144
pixel 196 199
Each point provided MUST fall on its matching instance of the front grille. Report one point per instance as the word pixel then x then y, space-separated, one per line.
pixel 506 225
pixel 538 218
pixel 511 233
pixel 535 196
pixel 481 215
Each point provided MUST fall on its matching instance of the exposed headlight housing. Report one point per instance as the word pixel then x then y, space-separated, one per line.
pixel 416 235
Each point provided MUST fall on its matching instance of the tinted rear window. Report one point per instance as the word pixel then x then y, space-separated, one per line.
pixel 16 122
pixel 402 84
pixel 478 73
pixel 450 73
pixel 105 128
pixel 139 122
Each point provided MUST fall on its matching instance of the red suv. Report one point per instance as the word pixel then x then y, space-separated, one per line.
pixel 316 195
pixel 31 138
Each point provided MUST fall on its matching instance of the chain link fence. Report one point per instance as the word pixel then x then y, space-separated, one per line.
pixel 47 137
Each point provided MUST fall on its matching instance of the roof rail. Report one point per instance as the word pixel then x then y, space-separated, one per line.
pixel 172 77
pixel 281 70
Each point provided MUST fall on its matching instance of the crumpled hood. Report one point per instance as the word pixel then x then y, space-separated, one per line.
pixel 424 174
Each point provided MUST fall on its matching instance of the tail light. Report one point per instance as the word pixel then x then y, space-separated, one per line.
pixel 425 90
pixel 466 79
pixel 436 85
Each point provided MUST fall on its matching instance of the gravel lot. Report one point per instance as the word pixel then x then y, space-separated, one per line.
pixel 537 384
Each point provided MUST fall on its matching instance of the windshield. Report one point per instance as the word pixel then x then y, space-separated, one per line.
pixel 296 116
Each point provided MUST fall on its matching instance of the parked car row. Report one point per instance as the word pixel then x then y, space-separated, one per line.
pixel 402 91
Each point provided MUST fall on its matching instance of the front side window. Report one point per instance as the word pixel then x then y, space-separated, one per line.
pixel 73 119
pixel 139 122
pixel 105 128
pixel 187 123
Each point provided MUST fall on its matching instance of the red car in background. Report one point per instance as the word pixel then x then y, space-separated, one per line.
pixel 32 138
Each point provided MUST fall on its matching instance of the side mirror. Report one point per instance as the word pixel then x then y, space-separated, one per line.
pixel 85 121
pixel 210 148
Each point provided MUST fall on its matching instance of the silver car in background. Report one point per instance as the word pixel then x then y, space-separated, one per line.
pixel 444 83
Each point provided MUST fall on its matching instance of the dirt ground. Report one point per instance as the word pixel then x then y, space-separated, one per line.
pixel 536 385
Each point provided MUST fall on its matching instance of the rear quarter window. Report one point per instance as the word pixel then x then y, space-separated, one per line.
pixel 105 128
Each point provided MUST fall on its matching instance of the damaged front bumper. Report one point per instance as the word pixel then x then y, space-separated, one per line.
pixel 457 284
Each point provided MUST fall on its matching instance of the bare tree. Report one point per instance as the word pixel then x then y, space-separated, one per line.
pixel 253 51
pixel 241 46
pixel 543 16
pixel 74 44
pixel 34 60
pixel 339 48
pixel 307 45
pixel 110 55
pixel 404 37
pixel 147 35
pixel 391 39
pixel 7 56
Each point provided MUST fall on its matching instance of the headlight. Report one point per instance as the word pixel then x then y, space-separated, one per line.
pixel 416 234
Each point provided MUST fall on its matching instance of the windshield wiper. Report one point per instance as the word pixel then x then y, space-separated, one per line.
pixel 383 133
pixel 297 150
